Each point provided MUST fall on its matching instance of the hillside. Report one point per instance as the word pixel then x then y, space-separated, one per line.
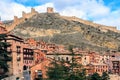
pixel 54 28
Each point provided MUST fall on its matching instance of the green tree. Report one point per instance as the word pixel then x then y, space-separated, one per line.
pixel 95 76
pixel 105 76
pixel 72 71
pixel 4 56
pixel 77 71
pixel 82 74
pixel 73 77
pixel 57 70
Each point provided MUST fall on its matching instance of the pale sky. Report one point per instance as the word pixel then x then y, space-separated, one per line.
pixel 106 12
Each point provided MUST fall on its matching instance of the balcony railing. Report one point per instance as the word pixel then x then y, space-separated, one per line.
pixel 25 52
pixel 28 58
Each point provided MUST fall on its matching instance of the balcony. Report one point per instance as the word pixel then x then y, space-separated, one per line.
pixel 26 52
pixel 28 58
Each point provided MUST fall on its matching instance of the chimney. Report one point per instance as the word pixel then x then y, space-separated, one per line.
pixel 50 10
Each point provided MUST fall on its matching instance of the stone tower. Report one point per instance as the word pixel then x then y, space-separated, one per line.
pixel 50 10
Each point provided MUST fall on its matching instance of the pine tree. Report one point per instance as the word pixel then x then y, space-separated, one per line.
pixel 57 70
pixel 77 71
pixel 95 76
pixel 4 57
pixel 105 76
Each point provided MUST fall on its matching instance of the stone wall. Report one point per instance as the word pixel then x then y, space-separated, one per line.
pixel 101 27
pixel 2 29
pixel 50 10
pixel 24 17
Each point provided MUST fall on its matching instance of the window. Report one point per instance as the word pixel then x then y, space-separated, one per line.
pixel 27 61
pixel 9 49
pixel 67 58
pixel 26 19
pixel 58 58
pixel 39 73
pixel 113 55
pixel 18 58
pixel 62 58
pixel 24 50
pixel 96 70
pixel 18 49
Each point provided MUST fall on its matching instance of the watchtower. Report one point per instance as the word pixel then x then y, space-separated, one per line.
pixel 50 10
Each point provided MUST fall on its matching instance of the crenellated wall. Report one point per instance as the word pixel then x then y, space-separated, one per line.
pixel 28 15
pixel 50 10
pixel 101 27
pixel 24 17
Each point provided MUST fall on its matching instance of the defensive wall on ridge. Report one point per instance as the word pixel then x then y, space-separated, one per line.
pixel 25 16
pixel 101 27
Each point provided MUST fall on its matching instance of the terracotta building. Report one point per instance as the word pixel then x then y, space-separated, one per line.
pixel 116 67
pixel 95 67
pixel 21 53
pixel 100 68
pixel 39 70
pixel 39 56
pixel 16 65
pixel 27 57
pixel 32 42
pixel 115 63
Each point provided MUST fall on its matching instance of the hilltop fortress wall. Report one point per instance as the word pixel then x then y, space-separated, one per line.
pixel 101 27
pixel 25 16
